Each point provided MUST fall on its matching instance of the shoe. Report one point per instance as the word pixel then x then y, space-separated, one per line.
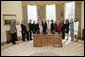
pixel 76 41
pixel 30 38
pixel 14 43
pixel 23 40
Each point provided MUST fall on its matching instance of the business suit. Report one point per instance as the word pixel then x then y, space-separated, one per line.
pixel 37 28
pixel 67 27
pixel 55 27
pixel 63 31
pixel 44 25
pixel 30 30
pixel 23 31
pixel 13 32
pixel 34 28
pixel 52 27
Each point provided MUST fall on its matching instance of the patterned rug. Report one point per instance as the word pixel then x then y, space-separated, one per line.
pixel 26 49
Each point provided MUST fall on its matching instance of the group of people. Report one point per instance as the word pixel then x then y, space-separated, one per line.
pixel 43 27
pixel 68 28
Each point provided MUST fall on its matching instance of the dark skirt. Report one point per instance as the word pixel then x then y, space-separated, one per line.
pixel 67 31
pixel 59 32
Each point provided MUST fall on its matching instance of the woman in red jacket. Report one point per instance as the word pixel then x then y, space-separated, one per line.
pixel 59 28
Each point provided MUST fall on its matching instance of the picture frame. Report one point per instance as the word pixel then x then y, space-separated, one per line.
pixel 8 17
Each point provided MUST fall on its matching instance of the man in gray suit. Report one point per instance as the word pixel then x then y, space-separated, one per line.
pixel 13 31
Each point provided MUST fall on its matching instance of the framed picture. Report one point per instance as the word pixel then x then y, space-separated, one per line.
pixel 8 17
pixel 7 21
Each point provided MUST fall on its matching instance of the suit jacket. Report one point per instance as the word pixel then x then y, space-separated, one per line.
pixel 37 27
pixel 30 26
pixel 52 26
pixel 59 27
pixel 23 28
pixel 67 26
pixel 71 27
pixel 63 28
pixel 13 28
pixel 44 25
pixel 33 26
pixel 55 27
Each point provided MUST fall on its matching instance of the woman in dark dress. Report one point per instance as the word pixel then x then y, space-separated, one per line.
pixel 37 28
pixel 63 30
pixel 67 28
pixel 55 26
pixel 52 26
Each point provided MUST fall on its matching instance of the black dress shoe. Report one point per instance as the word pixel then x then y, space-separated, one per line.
pixel 23 40
pixel 31 39
pixel 27 39
pixel 13 43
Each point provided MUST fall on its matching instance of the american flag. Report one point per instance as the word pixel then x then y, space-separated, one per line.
pixel 39 16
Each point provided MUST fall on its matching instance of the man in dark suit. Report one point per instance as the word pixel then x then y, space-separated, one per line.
pixel 55 26
pixel 23 31
pixel 37 28
pixel 44 25
pixel 30 30
pixel 52 26
pixel 34 27
pixel 63 30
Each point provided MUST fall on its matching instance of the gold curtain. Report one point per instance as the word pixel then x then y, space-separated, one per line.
pixel 25 19
pixel 59 8
pixel 42 11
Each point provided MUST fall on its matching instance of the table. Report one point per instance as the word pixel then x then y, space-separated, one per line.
pixel 46 40
pixel 9 37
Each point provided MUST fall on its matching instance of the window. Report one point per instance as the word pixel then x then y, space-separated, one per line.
pixel 70 11
pixel 51 12
pixel 32 12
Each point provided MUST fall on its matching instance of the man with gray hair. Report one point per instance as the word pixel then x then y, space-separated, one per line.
pixel 13 31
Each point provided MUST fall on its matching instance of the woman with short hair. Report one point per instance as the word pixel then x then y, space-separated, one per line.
pixel 71 27
pixel 67 28
pixel 18 27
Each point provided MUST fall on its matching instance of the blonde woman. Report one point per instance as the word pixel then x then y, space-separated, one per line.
pixel 18 27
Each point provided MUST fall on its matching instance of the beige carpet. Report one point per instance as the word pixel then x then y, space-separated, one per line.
pixel 26 49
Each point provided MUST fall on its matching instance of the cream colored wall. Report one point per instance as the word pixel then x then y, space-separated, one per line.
pixel 82 15
pixel 9 7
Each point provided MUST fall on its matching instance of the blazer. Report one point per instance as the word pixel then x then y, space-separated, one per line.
pixel 52 26
pixel 33 26
pixel 44 25
pixel 37 27
pixel 55 27
pixel 30 26
pixel 63 28
pixel 23 28
pixel 13 28
pixel 59 27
